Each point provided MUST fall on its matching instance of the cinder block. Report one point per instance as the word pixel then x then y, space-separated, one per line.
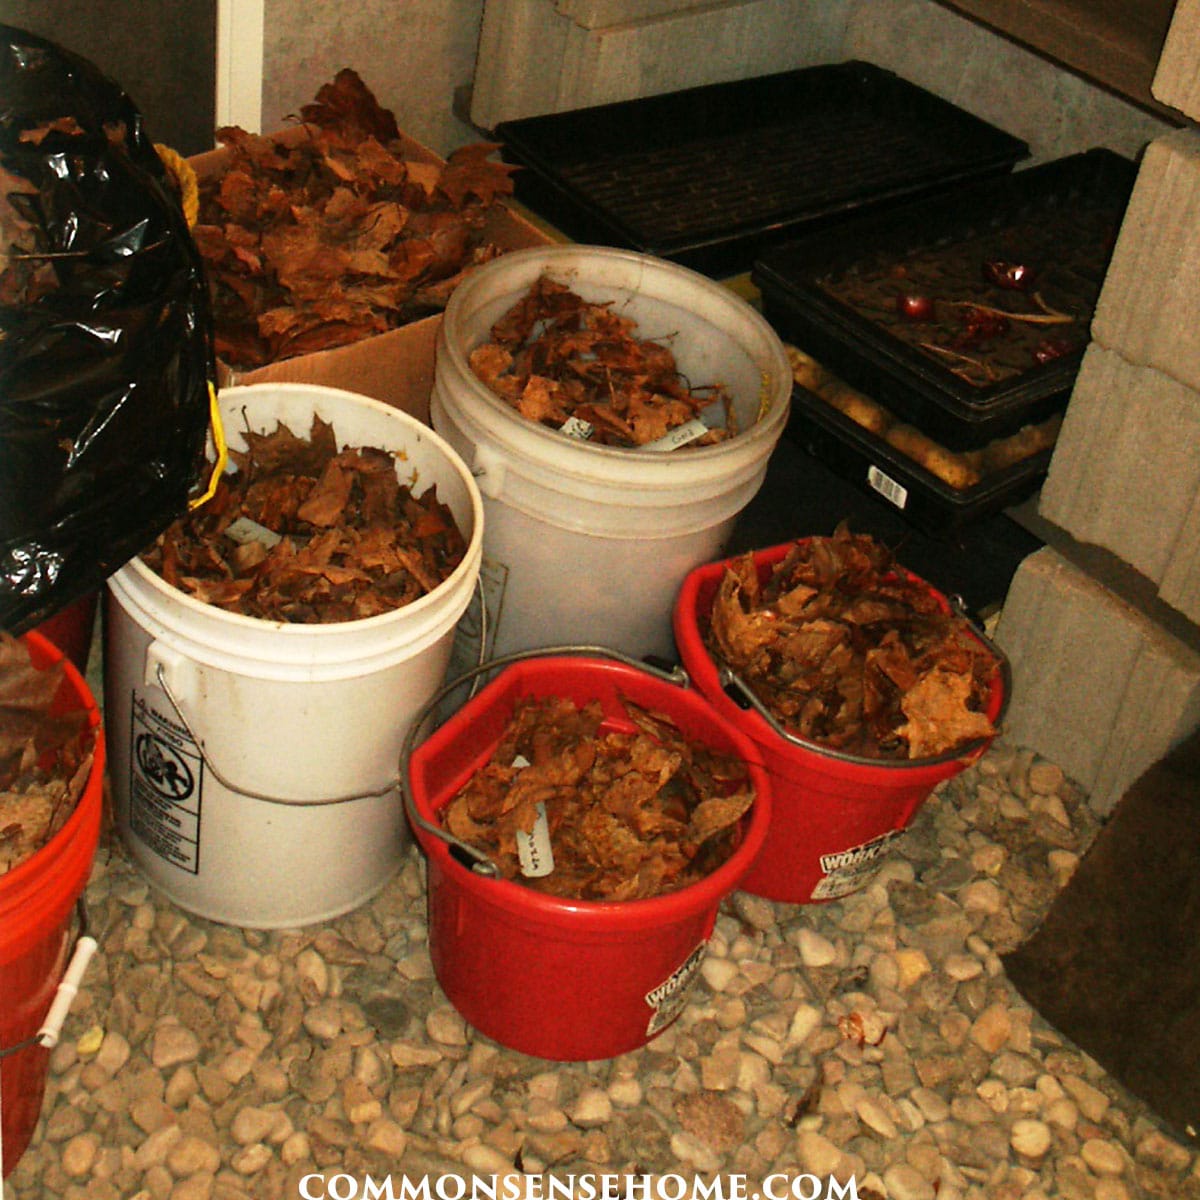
pixel 1177 78
pixel 1098 687
pixel 1180 584
pixel 1125 473
pixel 1149 306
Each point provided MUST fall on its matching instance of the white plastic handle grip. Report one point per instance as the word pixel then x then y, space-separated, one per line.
pixel 48 1035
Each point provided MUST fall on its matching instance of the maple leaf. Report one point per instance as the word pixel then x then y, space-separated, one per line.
pixel 348 103
pixel 471 172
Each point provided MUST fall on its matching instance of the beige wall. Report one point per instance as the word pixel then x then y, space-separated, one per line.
pixel 411 53
pixel 415 53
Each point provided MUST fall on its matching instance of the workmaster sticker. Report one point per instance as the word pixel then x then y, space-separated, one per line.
pixel 166 773
pixel 848 870
pixel 669 998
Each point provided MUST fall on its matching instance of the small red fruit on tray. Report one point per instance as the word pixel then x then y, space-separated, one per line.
pixel 914 306
pixel 1012 276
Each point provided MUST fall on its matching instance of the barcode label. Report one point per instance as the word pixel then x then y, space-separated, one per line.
pixel 887 487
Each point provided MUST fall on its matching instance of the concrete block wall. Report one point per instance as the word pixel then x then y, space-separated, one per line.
pixel 1149 307
pixel 1098 686
pixel 1126 471
pixel 1105 685
pixel 1177 80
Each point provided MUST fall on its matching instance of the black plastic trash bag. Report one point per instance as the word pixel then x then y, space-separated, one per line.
pixel 105 334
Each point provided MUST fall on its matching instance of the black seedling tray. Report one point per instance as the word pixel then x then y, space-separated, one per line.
pixel 710 176
pixel 926 502
pixel 835 293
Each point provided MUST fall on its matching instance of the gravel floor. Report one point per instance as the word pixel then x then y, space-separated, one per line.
pixel 875 1037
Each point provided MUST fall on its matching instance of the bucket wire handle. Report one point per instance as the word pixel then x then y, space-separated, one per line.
pixel 161 679
pixel 479 862
pixel 729 678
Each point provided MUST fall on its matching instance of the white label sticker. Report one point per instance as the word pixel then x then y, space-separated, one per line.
pixel 166 776
pixel 668 999
pixel 681 435
pixel 578 429
pixel 887 487
pixel 533 848
pixel 849 870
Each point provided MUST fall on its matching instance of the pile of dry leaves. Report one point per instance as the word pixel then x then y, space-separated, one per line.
pixel 615 813
pixel 846 649
pixel 562 361
pixel 333 232
pixel 45 758
pixel 303 533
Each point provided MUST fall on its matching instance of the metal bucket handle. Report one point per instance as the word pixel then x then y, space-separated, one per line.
pixel 469 855
pixel 729 678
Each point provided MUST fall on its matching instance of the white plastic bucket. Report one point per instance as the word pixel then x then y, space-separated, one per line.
pixel 583 543
pixel 254 763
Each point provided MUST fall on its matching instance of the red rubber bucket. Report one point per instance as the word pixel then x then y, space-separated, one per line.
pixel 560 979
pixel 834 815
pixel 36 902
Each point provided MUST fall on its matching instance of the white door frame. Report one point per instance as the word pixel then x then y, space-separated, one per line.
pixel 240 63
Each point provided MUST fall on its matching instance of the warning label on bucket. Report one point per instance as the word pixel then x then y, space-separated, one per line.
pixel 668 999
pixel 848 870
pixel 165 777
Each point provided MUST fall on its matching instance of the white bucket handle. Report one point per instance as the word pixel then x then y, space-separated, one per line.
pixel 480 863
pixel 160 678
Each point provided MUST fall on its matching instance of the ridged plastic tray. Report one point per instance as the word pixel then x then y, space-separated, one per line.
pixel 874 465
pixel 1063 215
pixel 709 176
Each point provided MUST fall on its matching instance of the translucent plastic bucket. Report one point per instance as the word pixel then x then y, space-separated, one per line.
pixel 567 980
pixel 582 542
pixel 36 902
pixel 834 815
pixel 253 762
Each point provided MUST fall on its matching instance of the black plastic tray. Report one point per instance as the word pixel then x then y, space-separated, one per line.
pixel 1075 202
pixel 927 502
pixel 709 176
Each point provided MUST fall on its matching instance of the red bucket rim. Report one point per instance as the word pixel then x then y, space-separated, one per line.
pixel 701 665
pixel 45 654
pixel 601 914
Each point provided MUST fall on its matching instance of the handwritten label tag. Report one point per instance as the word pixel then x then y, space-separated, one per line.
pixel 681 435
pixel 533 849
pixel 244 530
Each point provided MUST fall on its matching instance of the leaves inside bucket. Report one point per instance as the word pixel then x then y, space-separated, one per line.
pixel 848 650
pixel 576 366
pixel 631 812
pixel 303 533
pixel 45 759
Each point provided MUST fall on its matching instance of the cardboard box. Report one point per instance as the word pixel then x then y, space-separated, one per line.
pixel 395 367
